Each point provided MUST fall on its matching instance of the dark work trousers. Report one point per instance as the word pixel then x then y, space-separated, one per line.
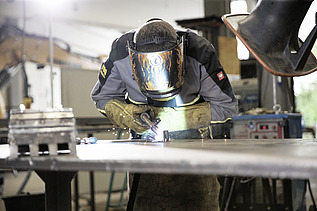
pixel 181 192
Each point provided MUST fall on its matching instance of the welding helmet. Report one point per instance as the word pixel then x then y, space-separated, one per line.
pixel 157 59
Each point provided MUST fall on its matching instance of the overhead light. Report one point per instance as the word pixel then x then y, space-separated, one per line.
pixel 50 4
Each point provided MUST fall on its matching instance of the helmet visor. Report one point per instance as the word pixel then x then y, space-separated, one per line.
pixel 160 75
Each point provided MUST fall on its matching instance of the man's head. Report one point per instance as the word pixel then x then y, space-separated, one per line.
pixel 155 35
pixel 157 60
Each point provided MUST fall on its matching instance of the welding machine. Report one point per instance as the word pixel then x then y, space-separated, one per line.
pixel 267 126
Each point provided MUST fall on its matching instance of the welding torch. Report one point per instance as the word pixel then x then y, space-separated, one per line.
pixel 145 117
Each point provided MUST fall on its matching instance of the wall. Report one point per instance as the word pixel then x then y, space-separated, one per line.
pixel 76 87
pixel 90 26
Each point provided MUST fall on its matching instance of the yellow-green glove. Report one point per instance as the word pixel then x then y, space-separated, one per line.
pixel 126 115
pixel 183 118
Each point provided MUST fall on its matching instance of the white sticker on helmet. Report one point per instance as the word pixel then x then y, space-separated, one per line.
pixel 155 60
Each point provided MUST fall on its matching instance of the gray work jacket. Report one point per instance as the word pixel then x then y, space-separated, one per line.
pixel 205 78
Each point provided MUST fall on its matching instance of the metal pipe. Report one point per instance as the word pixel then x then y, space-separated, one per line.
pixel 274 90
pixel 276 106
pixel 51 57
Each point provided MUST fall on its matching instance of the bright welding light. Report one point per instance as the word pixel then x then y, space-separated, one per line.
pixel 22 107
pixel 174 119
pixel 162 82
pixel 159 136
pixel 158 70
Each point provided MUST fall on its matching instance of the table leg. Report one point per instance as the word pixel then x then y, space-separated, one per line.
pixel 76 194
pixel 57 189
pixel 92 190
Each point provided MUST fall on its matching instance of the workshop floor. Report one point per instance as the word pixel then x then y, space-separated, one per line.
pixel 309 201
pixel 101 197
pixel 101 202
pixel 35 185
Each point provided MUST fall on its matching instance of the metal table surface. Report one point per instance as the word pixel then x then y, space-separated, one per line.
pixel 284 158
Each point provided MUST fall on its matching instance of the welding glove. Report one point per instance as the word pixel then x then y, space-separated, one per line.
pixel 126 115
pixel 183 118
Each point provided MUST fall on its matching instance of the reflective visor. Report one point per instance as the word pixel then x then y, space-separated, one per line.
pixel 160 75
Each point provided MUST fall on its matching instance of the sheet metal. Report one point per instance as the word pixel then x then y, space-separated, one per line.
pixel 283 158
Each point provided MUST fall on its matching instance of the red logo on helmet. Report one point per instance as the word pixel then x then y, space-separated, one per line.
pixel 220 75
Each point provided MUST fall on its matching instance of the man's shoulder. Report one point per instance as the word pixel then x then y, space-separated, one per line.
pixel 197 46
pixel 128 36
pixel 192 38
pixel 119 49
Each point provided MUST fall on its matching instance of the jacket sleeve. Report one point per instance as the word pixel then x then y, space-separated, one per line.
pixel 110 84
pixel 108 88
pixel 214 83
pixel 216 89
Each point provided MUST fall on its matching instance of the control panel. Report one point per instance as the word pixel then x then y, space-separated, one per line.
pixel 267 126
pixel 258 129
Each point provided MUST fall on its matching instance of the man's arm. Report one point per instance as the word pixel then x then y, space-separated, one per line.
pixel 216 89
pixel 109 86
pixel 214 83
pixel 110 90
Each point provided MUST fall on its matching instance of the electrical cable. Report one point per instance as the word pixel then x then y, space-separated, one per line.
pixel 26 84
pixel 224 192
pixel 26 179
pixel 230 193
pixel 311 195
pixel 26 81
pixel 134 190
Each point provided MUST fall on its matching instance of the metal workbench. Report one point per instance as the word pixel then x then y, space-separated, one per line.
pixel 283 158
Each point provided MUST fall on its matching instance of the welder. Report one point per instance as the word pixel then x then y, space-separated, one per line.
pixel 176 77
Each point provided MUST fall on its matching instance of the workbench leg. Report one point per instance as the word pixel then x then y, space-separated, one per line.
pixel 76 194
pixel 92 190
pixel 57 189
